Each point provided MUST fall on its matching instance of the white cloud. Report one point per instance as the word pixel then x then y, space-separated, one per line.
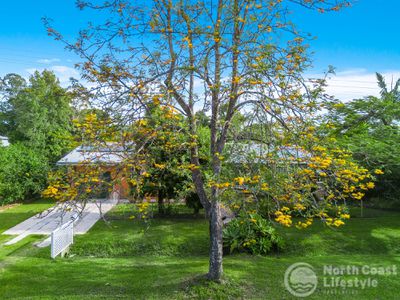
pixel 63 73
pixel 48 60
pixel 357 83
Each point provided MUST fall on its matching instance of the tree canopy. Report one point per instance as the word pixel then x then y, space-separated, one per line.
pixel 369 127
pixel 222 57
pixel 36 113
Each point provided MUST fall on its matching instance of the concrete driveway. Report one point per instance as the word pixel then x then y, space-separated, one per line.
pixel 46 222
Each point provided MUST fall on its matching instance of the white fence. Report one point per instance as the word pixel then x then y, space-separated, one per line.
pixel 62 238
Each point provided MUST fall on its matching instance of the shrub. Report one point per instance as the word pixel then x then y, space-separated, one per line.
pixel 23 173
pixel 193 201
pixel 251 233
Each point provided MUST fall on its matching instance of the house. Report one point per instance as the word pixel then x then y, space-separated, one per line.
pixel 4 141
pixel 109 157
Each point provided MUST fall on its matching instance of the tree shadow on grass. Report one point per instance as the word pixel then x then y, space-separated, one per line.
pixel 113 278
pixel 368 236
pixel 127 238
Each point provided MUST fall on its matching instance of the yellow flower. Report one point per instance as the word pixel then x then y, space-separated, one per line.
pixel 370 185
pixel 338 223
pixel 378 172
pixel 142 122
pixel 285 220
pixel 301 225
pixel 240 180
pixel 159 166
pixel 345 216
pixel 358 195
pixel 299 206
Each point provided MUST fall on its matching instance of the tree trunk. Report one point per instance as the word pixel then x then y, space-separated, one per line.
pixel 196 210
pixel 215 269
pixel 161 208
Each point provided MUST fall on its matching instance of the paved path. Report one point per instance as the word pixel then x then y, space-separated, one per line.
pixel 46 223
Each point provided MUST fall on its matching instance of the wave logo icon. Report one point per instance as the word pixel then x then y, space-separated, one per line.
pixel 300 279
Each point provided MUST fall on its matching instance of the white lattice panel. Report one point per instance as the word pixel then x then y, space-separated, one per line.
pixel 62 238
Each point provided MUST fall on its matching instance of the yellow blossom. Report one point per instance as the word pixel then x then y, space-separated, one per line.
pixel 240 180
pixel 370 185
pixel 345 216
pixel 299 206
pixel 338 223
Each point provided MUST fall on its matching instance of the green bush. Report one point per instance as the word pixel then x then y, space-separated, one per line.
pixel 192 201
pixel 23 173
pixel 251 233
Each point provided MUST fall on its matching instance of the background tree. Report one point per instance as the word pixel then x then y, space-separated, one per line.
pixel 224 55
pixel 10 86
pixel 165 178
pixel 36 113
pixel 369 127
pixel 23 173
pixel 36 116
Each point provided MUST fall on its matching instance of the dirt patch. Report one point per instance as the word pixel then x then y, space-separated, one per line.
pixel 8 206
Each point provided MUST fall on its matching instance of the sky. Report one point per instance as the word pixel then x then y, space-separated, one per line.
pixel 357 41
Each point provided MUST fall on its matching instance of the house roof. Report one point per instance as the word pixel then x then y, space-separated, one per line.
pixel 237 153
pixel 108 154
pixel 257 153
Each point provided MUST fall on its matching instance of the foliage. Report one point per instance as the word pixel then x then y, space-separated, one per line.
pixel 165 177
pixel 303 179
pixel 23 173
pixel 252 233
pixel 36 113
pixel 369 127
pixel 152 159
pixel 192 201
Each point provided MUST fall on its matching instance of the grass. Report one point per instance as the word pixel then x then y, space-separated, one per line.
pixel 16 214
pixel 120 260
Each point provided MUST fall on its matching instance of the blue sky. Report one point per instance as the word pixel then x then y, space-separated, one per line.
pixel 358 41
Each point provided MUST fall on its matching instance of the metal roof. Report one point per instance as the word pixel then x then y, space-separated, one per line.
pixel 258 153
pixel 92 155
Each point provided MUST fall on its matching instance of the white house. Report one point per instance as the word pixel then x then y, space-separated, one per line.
pixel 4 141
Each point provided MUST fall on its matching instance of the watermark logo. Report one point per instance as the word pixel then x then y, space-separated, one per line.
pixel 300 279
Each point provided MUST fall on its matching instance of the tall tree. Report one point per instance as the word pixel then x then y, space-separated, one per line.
pixel 36 113
pixel 165 179
pixel 10 85
pixel 221 56
pixel 369 127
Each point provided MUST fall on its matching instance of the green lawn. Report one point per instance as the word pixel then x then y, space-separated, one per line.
pixel 117 260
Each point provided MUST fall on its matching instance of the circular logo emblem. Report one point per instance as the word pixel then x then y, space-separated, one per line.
pixel 300 279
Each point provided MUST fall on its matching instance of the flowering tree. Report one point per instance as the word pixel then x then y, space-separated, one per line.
pixel 221 57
